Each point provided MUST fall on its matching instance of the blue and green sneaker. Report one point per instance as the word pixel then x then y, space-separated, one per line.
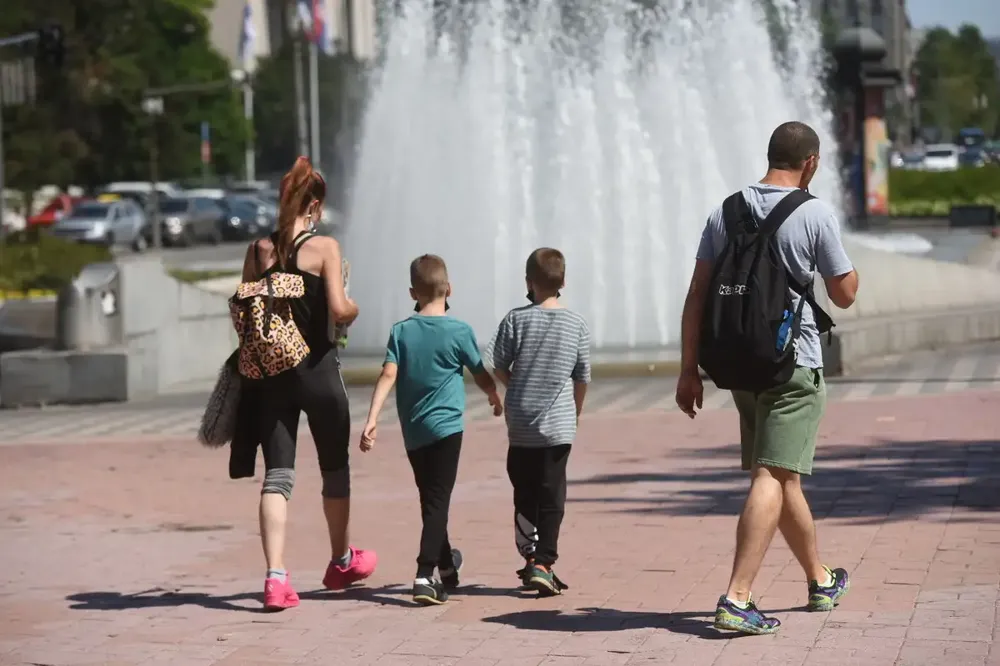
pixel 826 598
pixel 749 620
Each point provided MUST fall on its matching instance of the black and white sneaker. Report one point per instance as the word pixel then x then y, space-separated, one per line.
pixel 429 592
pixel 449 577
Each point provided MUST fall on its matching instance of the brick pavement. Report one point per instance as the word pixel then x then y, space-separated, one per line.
pixel 144 553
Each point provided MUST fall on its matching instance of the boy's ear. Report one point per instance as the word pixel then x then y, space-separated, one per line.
pixel 413 294
pixel 448 293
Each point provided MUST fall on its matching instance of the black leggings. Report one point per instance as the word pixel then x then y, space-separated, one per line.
pixel 539 479
pixel 316 388
pixel 435 468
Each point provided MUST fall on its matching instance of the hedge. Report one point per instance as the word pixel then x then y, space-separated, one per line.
pixel 917 193
pixel 39 261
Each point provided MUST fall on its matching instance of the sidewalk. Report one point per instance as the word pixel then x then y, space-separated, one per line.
pixel 142 552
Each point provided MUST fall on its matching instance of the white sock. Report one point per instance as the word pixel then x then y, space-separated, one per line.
pixel 742 605
pixel 827 581
pixel 422 581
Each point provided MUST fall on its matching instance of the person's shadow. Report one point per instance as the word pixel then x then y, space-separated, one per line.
pixel 696 623
pixel 250 602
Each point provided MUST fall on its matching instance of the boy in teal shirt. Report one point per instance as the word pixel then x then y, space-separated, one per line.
pixel 424 359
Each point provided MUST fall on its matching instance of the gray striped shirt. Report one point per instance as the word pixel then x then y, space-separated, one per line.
pixel 546 350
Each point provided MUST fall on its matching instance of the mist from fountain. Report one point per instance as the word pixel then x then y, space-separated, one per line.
pixel 609 132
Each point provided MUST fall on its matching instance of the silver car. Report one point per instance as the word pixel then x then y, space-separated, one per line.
pixel 109 223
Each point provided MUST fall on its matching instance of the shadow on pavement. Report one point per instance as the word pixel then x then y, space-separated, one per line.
pixel 251 602
pixel 608 619
pixel 889 480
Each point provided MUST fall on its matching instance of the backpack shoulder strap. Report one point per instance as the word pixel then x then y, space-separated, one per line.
pixel 296 244
pixel 783 210
pixel 735 212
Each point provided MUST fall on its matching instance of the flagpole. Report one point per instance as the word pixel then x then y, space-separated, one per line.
pixel 300 105
pixel 314 101
pixel 247 39
pixel 251 174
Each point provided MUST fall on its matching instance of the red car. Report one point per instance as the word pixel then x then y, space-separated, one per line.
pixel 59 207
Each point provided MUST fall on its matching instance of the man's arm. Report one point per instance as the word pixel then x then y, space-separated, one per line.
pixel 832 262
pixel 694 303
pixel 503 376
pixel 842 289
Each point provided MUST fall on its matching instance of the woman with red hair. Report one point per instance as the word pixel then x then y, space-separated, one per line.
pixel 315 387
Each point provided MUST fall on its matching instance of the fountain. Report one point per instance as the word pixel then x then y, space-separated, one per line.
pixel 606 130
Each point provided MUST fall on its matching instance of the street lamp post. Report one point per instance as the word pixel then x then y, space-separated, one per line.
pixel 153 106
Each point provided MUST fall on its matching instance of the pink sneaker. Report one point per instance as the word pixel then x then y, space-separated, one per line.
pixel 279 595
pixel 362 566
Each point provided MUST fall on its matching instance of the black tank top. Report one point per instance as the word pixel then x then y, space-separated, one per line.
pixel 311 313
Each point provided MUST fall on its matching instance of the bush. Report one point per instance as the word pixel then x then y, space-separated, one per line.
pixel 39 261
pixel 918 193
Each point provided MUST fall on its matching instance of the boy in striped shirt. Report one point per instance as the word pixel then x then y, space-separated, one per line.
pixel 541 353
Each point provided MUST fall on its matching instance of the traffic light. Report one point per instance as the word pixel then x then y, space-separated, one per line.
pixel 51 48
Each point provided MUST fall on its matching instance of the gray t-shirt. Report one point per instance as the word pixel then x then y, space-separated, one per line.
pixel 809 238
pixel 546 350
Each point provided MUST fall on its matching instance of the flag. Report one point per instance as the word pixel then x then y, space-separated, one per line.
pixel 247 36
pixel 312 15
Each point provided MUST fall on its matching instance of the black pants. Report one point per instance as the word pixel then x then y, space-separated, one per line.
pixel 539 479
pixel 316 388
pixel 435 468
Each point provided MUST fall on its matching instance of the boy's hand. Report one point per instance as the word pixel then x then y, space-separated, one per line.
pixel 368 437
pixel 496 403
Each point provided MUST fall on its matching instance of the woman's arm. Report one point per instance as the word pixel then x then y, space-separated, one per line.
pixel 343 309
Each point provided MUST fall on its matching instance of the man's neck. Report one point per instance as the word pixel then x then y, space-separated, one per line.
pixel 781 178
pixel 433 308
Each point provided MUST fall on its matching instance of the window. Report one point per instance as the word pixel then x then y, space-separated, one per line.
pixel 878 17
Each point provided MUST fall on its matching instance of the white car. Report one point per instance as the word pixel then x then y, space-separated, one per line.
pixel 941 157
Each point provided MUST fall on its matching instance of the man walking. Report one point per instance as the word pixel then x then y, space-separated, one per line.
pixel 751 323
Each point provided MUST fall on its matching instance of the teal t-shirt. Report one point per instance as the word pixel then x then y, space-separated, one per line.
pixel 430 389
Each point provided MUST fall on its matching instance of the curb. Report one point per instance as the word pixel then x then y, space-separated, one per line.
pixel 366 376
pixel 26 295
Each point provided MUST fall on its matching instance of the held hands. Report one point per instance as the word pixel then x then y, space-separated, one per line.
pixel 368 437
pixel 689 392
pixel 496 403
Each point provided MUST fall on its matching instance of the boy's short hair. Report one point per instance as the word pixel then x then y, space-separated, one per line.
pixel 429 276
pixel 546 268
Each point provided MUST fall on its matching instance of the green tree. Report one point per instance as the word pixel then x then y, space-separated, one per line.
pixel 87 125
pixel 957 84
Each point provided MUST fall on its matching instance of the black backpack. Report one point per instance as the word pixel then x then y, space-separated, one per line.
pixel 748 327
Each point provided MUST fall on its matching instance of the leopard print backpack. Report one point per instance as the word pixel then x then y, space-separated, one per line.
pixel 270 340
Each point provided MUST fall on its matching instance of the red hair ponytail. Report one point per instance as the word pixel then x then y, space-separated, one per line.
pixel 300 187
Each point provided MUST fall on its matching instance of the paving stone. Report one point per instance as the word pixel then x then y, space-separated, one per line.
pixel 142 552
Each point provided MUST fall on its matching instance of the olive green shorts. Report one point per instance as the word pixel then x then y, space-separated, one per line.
pixel 778 426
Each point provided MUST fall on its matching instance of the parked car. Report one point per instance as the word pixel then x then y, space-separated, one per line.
pixel 108 222
pixel 185 221
pixel 972 157
pixel 941 157
pixel 60 206
pixel 164 189
pixel 247 217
